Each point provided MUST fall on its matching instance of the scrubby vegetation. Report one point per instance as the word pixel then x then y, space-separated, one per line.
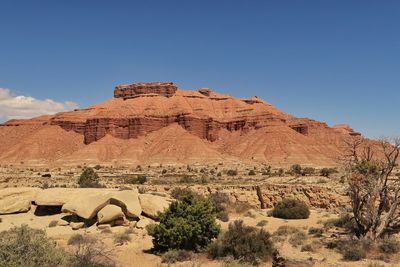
pixel 187 224
pixel 389 245
pixel 232 172
pixel 291 209
pixel 89 178
pixel 326 172
pixel 174 256
pixel 245 243
pixel 89 251
pixel 27 247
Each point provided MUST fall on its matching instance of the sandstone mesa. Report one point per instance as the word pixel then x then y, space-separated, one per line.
pixel 158 122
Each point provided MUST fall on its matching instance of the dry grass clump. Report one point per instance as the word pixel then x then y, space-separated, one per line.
pixel 174 256
pixel 89 251
pixel 296 236
pixel 122 238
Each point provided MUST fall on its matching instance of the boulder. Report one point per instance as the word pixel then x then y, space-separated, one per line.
pixel 152 204
pixel 77 225
pixel 109 213
pixel 15 200
pixel 87 205
pixel 129 201
pixel 55 196
pixel 143 222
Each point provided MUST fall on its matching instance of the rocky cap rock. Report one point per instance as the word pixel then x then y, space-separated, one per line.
pixel 133 90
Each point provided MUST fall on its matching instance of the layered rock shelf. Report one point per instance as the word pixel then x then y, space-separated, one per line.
pixel 133 90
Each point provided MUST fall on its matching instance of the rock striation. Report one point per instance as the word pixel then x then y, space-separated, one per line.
pixel 157 121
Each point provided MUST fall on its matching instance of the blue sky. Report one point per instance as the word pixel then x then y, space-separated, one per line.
pixel 335 61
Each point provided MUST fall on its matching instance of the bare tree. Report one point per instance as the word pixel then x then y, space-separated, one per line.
pixel 374 192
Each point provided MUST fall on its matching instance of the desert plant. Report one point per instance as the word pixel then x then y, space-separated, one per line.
pixel 142 179
pixel 53 224
pixel 89 178
pixel 232 172
pixel 298 238
pixel 186 179
pixel 345 220
pixel 89 251
pixel 97 167
pixel 122 238
pixel 374 194
pixel 262 223
pixel 291 209
pixel 223 216
pixel 354 252
pixel 308 171
pixel 187 224
pixel 315 231
pixel 307 247
pixel 174 256
pixel 296 170
pixel 220 201
pixel 27 247
pixel 326 172
pixel 389 245
pixel 249 244
pixel 180 193
pixel 252 173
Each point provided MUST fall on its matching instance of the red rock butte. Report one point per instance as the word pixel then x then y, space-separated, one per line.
pixel 157 122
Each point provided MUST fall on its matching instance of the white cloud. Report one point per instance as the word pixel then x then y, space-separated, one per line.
pixel 22 107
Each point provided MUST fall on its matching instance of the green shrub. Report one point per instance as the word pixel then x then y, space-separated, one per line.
pixel 186 179
pixel 232 172
pixel 142 179
pixel 220 201
pixel 308 171
pixel 389 245
pixel 174 256
pixel 262 223
pixel 326 172
pixel 135 179
pixel 291 209
pixel 315 231
pixel 252 173
pixel 27 247
pixel 97 167
pixel 354 252
pixel 296 169
pixel 223 216
pixel 249 244
pixel 187 224
pixel 345 221
pixel 307 247
pixel 180 193
pixel 89 178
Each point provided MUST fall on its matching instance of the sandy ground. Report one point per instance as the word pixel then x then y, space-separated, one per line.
pixel 134 252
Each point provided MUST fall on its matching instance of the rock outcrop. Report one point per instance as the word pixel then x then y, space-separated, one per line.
pixel 127 91
pixel 85 206
pixel 141 124
pixel 15 200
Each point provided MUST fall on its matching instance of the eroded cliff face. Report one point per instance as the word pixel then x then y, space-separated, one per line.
pixel 197 117
pixel 246 128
